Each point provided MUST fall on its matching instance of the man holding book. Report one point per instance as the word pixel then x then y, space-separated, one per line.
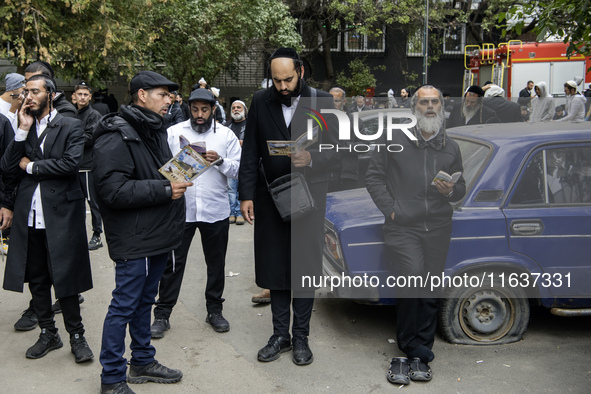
pixel 207 209
pixel 417 229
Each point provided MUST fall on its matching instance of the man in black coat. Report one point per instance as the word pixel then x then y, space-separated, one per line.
pixel 89 118
pixel 525 95
pixel 471 111
pixel 48 238
pixel 144 217
pixel 285 252
pixel 494 98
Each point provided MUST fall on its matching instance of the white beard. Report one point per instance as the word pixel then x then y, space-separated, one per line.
pixel 429 125
pixel 469 112
pixel 238 117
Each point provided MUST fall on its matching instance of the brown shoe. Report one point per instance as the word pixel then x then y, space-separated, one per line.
pixel 239 220
pixel 232 219
pixel 263 297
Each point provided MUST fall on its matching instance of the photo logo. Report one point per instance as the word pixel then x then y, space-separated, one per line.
pixel 319 120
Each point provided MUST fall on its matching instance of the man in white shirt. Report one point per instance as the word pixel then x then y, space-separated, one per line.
pixel 575 103
pixel 11 100
pixel 207 209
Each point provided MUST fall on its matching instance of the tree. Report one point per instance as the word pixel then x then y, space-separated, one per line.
pixel 199 38
pixel 324 20
pixel 567 19
pixel 86 39
pixel 360 78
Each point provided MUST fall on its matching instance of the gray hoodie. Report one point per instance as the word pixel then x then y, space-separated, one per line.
pixel 543 105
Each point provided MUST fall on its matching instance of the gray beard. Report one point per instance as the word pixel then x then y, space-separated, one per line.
pixel 201 128
pixel 429 125
pixel 238 117
pixel 469 112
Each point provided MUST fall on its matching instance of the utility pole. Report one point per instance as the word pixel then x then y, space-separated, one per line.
pixel 426 43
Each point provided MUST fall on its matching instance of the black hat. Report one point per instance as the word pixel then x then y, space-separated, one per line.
pixel 148 80
pixel 475 89
pixel 285 52
pixel 202 95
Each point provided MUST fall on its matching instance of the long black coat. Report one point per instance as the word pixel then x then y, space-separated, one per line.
pixel 484 115
pixel 279 245
pixel 55 170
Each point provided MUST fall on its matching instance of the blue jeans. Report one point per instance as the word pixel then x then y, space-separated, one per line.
pixel 136 286
pixel 233 194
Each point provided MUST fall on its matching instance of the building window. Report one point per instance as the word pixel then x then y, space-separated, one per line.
pixel 311 37
pixel 454 40
pixel 357 42
pixel 414 43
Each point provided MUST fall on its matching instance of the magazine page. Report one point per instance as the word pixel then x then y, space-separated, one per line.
pixel 185 166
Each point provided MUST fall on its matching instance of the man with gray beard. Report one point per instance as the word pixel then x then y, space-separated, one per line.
pixel 417 227
pixel 472 111
pixel 207 209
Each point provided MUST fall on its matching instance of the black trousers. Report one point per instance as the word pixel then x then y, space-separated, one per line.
pixel 214 240
pixel 302 304
pixel 417 253
pixel 88 188
pixel 39 275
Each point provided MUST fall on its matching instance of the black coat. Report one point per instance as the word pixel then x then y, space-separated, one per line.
pixel 89 118
pixel 63 106
pixel 55 170
pixel 273 238
pixel 483 115
pixel 507 111
pixel 140 218
pixel 7 183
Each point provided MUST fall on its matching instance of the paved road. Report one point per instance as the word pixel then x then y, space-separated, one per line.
pixel 350 343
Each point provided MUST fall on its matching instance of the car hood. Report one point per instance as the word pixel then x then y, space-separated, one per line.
pixel 352 208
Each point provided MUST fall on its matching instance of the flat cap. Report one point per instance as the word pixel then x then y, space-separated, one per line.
pixel 148 80
pixel 202 95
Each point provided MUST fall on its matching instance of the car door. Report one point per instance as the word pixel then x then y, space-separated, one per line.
pixel 549 217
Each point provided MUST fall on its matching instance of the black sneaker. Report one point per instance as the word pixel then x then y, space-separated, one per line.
pixel 218 322
pixel 57 308
pixel 276 345
pixel 153 372
pixel 28 321
pixel 95 243
pixel 80 348
pixel 399 371
pixel 47 341
pixel 158 327
pixel 420 371
pixel 302 355
pixel 116 388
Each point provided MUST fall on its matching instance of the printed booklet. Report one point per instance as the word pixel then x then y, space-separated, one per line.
pixel 284 148
pixel 444 176
pixel 188 164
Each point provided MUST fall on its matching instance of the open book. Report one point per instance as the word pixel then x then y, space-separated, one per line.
pixel 444 176
pixel 188 164
pixel 284 148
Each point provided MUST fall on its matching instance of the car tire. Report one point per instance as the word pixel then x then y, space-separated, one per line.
pixel 488 315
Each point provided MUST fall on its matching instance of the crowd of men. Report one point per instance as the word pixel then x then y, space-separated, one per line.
pixel 55 156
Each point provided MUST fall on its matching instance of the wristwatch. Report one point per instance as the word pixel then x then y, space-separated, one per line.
pixel 219 163
pixel 450 193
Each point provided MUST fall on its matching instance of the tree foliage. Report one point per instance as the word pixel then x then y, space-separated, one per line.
pixel 568 19
pixel 358 78
pixel 86 39
pixel 95 40
pixel 201 37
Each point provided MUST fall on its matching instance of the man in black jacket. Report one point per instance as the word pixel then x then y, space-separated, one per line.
pixel 48 238
pixel 472 111
pixel 90 118
pixel 144 216
pixel 417 225
pixel 278 113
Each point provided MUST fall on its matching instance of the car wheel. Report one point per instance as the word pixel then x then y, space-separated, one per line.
pixel 484 315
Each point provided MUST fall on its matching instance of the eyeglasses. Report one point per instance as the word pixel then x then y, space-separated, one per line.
pixel 34 92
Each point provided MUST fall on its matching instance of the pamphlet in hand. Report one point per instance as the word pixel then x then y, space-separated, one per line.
pixel 444 176
pixel 284 148
pixel 188 164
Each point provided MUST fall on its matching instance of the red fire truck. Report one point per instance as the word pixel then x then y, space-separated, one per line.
pixel 510 65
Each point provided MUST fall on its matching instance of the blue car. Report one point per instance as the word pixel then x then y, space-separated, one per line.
pixel 521 235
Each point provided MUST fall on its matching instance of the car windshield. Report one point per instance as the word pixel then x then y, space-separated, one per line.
pixel 473 157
